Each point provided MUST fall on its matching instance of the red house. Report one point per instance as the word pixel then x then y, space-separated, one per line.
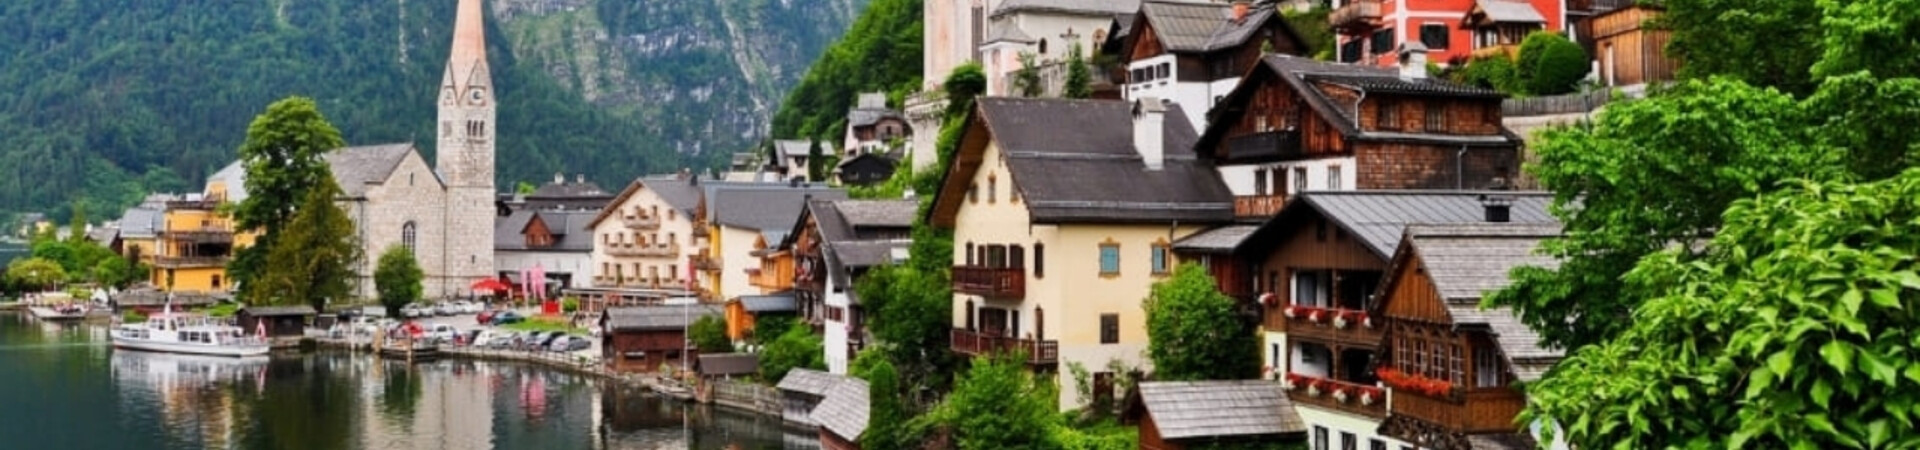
pixel 1452 30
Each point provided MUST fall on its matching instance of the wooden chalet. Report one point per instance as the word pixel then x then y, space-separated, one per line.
pixel 1175 415
pixel 834 243
pixel 865 169
pixel 1452 364
pixel 1627 50
pixel 643 338
pixel 278 321
pixel 1192 52
pixel 1295 124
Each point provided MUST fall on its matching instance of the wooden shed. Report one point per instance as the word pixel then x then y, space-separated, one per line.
pixel 1179 414
pixel 280 321
pixel 642 338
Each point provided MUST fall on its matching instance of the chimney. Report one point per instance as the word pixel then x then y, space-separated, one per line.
pixel 1149 118
pixel 559 178
pixel 1240 8
pixel 579 178
pixel 1413 60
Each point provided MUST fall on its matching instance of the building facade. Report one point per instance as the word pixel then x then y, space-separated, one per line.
pixel 1370 32
pixel 1194 53
pixel 643 240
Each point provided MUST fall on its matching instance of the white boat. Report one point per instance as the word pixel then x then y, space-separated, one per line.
pixel 66 311
pixel 192 334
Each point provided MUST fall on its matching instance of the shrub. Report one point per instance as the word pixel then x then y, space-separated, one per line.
pixel 1550 64
pixel 569 305
pixel 1492 72
pixel 133 316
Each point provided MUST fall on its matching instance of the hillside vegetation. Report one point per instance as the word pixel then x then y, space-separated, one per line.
pixel 880 53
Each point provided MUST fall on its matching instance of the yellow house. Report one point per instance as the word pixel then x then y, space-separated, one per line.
pixel 193 240
pixel 740 216
pixel 1063 214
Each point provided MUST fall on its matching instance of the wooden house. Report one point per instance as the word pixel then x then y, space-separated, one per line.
pixel 1174 415
pixel 278 321
pixel 643 338
pixel 1193 53
pixel 833 244
pixel 1296 124
pixel 864 169
pixel 1627 50
pixel 801 391
pixel 1453 365
pixel 743 312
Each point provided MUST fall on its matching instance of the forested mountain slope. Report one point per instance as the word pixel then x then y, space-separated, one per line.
pixel 103 100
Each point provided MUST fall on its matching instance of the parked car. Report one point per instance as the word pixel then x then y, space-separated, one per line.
pixel 442 332
pixel 502 339
pixel 413 310
pixel 506 317
pixel 485 317
pixel 568 344
pixel 548 339
pixel 467 307
pixel 472 337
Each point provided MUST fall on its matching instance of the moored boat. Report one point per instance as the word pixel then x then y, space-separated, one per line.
pixel 69 311
pixel 191 334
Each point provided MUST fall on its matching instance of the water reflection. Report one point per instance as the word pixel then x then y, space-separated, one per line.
pixel 64 389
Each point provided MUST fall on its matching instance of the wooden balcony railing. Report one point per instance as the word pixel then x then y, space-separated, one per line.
pixel 189 261
pixel 630 249
pixel 973 343
pixel 1352 398
pixel 1485 410
pixel 1359 14
pixel 201 235
pixel 1351 328
pixel 641 223
pixel 999 282
pixel 1264 146
pixel 705 262
pixel 1258 206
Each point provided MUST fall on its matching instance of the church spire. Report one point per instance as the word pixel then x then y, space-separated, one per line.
pixel 469 51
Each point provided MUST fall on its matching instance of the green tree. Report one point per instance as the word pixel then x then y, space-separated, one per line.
pixel 397 279
pixel 709 333
pixel 997 404
pixel 1079 77
pixel 1312 27
pixel 1193 332
pixel 1495 72
pixel 283 156
pixel 524 188
pixel 886 415
pixel 768 327
pixel 77 227
pixel 313 261
pixel 816 161
pixel 798 347
pixel 963 84
pixel 1026 79
pixel 1551 64
pixel 911 317
pixel 35 273
pixel 1771 43
pixel 116 272
pixel 1794 329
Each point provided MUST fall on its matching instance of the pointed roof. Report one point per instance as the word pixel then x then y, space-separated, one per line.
pixel 1466 261
pixel 356 167
pixel 469 50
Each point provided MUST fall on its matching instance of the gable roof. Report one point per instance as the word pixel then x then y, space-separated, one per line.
pixel 1465 262
pixel 1188 27
pixel 1506 11
pixel 140 222
pixel 764 208
pixel 1229 408
pixel 844 410
pixel 234 175
pixel 1218 240
pixel 1042 139
pixel 681 194
pixel 570 230
pixel 1069 7
pixel 788 148
pixel 651 318
pixel 809 381
pixel 356 167
pixel 1305 75
pixel 1378 218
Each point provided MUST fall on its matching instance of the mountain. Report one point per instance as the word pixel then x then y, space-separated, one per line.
pixel 103 100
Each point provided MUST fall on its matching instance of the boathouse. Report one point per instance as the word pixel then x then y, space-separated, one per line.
pixel 279 321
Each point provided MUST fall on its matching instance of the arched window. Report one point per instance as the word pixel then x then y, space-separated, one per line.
pixel 1043 46
pixel 407 234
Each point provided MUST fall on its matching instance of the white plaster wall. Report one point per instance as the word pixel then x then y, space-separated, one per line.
pixel 577 264
pixel 674 227
pixel 736 256
pixel 1362 427
pixel 837 331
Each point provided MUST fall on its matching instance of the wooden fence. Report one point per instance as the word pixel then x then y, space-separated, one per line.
pixel 745 395
pixel 1558 104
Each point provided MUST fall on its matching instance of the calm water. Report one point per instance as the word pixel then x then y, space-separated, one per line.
pixel 62 387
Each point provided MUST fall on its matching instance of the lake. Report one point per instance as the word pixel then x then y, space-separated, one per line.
pixel 63 387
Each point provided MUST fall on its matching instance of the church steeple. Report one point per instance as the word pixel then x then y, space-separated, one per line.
pixel 464 151
pixel 467 59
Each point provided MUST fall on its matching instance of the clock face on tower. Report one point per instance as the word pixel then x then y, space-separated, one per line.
pixel 477 96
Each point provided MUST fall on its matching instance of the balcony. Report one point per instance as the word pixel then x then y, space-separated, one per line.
pixel 1331 325
pixel 1509 51
pixel 1359 15
pixel 997 282
pixel 643 250
pixel 1351 398
pixel 1264 146
pixel 1488 410
pixel 175 262
pixel 206 235
pixel 974 343
pixel 641 222
pixel 1257 206
pixel 703 261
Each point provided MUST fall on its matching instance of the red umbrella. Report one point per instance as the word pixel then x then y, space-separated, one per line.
pixel 490 284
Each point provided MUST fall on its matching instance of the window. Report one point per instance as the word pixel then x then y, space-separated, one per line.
pixel 1312 288
pixel 1103 388
pixel 1299 180
pixel 1039 260
pixel 1109 328
pixel 216 281
pixel 1434 36
pixel 1348 441
pixel 1160 255
pixel 1165 70
pixel 1486 366
pixel 1350 51
pixel 1109 259
pixel 1319 438
pixel 993 188
pixel 970 260
pixel 1333 178
pixel 1259 177
pixel 1376 444
pixel 1382 42
pixel 1043 46
pixel 407 235
pixel 973 193
pixel 1387 115
pixel 1436 117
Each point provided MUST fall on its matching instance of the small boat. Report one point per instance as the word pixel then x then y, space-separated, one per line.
pixel 67 311
pixel 191 334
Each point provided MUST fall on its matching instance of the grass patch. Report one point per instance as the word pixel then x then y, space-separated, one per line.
pixel 223 310
pixel 542 324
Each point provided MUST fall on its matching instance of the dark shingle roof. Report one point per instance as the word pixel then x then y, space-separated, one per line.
pixel 1307 77
pixel 1395 84
pixel 648 318
pixel 809 381
pixel 580 188
pixel 1466 261
pixel 1007 33
pixel 568 227
pixel 769 303
pixel 861 254
pixel 787 148
pixel 877 213
pixel 1378 218
pixel 1218 240
pixel 764 208
pixel 269 311
pixel 1044 139
pixel 140 223
pixel 1074 7
pixel 355 167
pixel 728 364
pixel 1201 27
pixel 844 410
pixel 1205 409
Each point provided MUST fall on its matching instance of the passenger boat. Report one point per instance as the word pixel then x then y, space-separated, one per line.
pixel 191 334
